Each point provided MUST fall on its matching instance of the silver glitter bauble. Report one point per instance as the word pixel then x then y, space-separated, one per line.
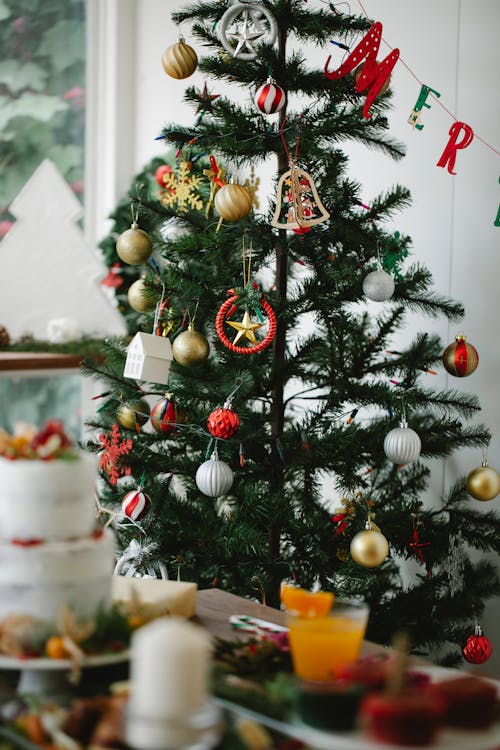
pixel 378 286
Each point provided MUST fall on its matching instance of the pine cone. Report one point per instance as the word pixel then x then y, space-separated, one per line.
pixel 4 336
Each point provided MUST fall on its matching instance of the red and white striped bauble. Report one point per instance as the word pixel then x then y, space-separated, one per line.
pixel 270 97
pixel 136 504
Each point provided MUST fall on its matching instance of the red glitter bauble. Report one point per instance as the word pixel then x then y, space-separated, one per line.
pixel 164 416
pixel 477 648
pixel 223 422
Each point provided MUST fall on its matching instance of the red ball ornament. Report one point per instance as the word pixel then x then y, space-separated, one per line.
pixel 136 504
pixel 270 97
pixel 164 416
pixel 477 647
pixel 160 173
pixel 223 422
pixel 460 358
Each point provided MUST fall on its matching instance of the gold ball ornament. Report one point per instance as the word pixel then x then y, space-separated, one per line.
pixel 190 348
pixel 369 548
pixel 483 482
pixel 132 414
pixel 134 246
pixel 137 298
pixel 233 202
pixel 179 60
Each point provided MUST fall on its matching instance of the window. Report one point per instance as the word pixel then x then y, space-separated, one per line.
pixel 42 93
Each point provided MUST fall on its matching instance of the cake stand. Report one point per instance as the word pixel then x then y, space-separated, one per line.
pixel 50 677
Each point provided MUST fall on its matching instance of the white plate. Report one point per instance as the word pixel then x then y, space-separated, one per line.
pixel 447 739
pixel 46 664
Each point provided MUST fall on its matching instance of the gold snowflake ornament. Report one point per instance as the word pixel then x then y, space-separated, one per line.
pixel 252 185
pixel 181 188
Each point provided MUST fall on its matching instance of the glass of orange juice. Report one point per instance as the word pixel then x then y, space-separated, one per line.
pixel 321 645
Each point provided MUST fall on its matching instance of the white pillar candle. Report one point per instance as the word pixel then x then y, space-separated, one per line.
pixel 170 661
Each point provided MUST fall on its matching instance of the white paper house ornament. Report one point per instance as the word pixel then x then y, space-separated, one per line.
pixel 148 358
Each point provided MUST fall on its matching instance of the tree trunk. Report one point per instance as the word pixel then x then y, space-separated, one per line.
pixel 278 379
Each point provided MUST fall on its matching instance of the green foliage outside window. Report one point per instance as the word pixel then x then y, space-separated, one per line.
pixel 42 93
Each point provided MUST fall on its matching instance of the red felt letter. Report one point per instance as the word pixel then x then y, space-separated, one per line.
pixel 373 74
pixel 450 153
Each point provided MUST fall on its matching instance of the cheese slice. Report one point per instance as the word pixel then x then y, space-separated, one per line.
pixel 178 597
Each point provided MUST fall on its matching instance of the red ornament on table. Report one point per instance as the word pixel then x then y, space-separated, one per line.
pixel 478 648
pixel 227 309
pixel 136 504
pixel 164 416
pixel 223 422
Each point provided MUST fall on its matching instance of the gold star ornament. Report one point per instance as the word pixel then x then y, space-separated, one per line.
pixel 246 329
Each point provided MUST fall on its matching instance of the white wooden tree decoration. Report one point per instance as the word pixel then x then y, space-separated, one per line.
pixel 148 358
pixel 48 270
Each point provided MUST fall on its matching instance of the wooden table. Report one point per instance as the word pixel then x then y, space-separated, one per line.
pixel 23 361
pixel 214 607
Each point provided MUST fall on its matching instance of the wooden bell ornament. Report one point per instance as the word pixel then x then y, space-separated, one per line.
pixel 298 205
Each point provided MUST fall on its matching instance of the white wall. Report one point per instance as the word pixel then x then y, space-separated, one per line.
pixel 453 47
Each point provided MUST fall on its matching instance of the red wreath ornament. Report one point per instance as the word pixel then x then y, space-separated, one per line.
pixel 227 309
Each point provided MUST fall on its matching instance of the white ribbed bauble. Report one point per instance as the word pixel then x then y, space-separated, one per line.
pixel 378 286
pixel 214 477
pixel 402 445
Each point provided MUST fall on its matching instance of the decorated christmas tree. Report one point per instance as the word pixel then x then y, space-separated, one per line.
pixel 282 388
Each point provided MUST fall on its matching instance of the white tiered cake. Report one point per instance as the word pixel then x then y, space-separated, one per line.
pixel 51 555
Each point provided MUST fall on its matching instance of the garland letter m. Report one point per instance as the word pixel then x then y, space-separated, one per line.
pixel 373 74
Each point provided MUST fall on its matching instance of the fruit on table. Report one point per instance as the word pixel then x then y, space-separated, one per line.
pixel 306 603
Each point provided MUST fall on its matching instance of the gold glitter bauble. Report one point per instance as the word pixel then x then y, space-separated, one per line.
pixel 133 413
pixel 137 298
pixel 233 202
pixel 369 548
pixel 134 246
pixel 179 60
pixel 190 348
pixel 483 483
